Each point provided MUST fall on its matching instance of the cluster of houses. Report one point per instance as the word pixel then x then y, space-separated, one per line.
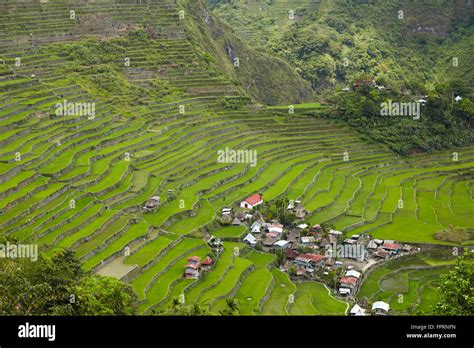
pixel 378 308
pixel 368 82
pixel 310 240
pixel 311 252
pixel 194 266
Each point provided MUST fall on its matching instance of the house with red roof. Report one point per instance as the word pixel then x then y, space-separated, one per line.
pixel 382 254
pixel 310 260
pixel 393 248
pixel 194 260
pixel 252 201
pixel 191 270
pixel 348 282
pixel 207 263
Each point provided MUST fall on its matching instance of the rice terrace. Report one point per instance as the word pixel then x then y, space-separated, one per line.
pixel 236 157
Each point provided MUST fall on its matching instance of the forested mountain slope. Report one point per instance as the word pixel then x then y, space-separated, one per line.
pixel 358 55
pixel 405 45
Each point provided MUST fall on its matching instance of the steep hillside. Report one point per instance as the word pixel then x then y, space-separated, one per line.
pixel 270 80
pixel 358 55
pixel 404 45
pixel 104 38
pixel 111 121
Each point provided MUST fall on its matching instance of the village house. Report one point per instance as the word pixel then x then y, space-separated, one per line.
pixel 357 311
pixel 256 227
pixel 152 203
pixel 365 82
pixel 310 260
pixel 295 246
pixel 308 242
pixel 273 235
pixel 353 273
pixel 252 201
pixel 250 240
pixel 391 247
pixel 348 282
pixel 226 211
pixel 215 244
pixel 344 291
pixel 276 228
pixel 206 264
pixel 191 270
pixel 281 245
pixel 236 222
pixel 382 254
pixel 372 245
pixel 353 250
pixel 268 242
pixel 378 241
pixel 350 241
pixel 380 308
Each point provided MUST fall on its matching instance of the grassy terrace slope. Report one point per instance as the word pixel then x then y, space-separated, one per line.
pixel 80 182
pixel 410 285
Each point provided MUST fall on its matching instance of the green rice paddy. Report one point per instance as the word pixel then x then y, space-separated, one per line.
pixel 82 183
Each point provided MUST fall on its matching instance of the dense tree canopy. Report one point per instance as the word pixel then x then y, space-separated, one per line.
pixel 56 285
pixel 457 289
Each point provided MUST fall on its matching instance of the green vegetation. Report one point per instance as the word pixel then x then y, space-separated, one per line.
pixel 57 285
pixel 168 94
pixel 407 50
pixel 455 289
pixel 409 285
pixel 315 299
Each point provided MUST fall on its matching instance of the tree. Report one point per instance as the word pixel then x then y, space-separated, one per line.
pixel 280 257
pixel 180 309
pixel 56 285
pixel 103 296
pixel 457 297
pixel 232 307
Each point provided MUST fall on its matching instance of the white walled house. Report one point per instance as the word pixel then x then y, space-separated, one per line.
pixel 252 201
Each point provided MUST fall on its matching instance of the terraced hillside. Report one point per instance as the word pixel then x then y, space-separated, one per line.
pixel 263 19
pixel 80 181
pixel 409 285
